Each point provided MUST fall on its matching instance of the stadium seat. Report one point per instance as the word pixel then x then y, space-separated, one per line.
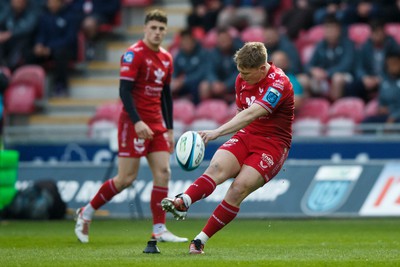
pixel 184 110
pixel 20 99
pixel 359 33
pixel 371 108
pixel 136 3
pixel 232 109
pixel 101 128
pixel 33 75
pixel 253 34
pixel 315 108
pixel 212 109
pixel 315 34
pixel 203 124
pixel 179 128
pixel 348 107
pixel 210 40
pixel 306 52
pixel 108 111
pixel 340 127
pixel 308 127
pixel 393 29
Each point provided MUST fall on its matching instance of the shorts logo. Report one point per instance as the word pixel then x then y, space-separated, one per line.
pixel 138 145
pixel 272 96
pixel 128 57
pixel 330 189
pixel 266 161
pixel 230 142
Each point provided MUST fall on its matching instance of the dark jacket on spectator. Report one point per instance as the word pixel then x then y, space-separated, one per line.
pixel 193 66
pixel 288 47
pixel 389 93
pixel 21 25
pixel 366 64
pixel 339 59
pixel 57 30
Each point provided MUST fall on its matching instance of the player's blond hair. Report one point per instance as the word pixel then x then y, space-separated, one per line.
pixel 157 15
pixel 251 55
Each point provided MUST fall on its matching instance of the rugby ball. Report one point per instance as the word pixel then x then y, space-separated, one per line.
pixel 190 150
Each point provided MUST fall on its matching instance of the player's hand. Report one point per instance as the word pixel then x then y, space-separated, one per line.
pixel 171 141
pixel 208 135
pixel 143 130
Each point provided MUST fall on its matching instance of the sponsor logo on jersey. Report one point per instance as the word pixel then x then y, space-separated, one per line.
pixel 330 189
pixel 165 63
pixel 159 75
pixel 260 90
pixel 250 100
pixel 278 84
pixel 149 62
pixel 137 49
pixel 128 57
pixel 153 91
pixel 271 76
pixel 272 96
pixel 125 68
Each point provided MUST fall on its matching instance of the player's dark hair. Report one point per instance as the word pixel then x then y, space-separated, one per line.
pixel 157 15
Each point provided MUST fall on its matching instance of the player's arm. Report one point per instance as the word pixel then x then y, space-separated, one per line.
pixel 142 130
pixel 167 106
pixel 241 120
pixel 167 112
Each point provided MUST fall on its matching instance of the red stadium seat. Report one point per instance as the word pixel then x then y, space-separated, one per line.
pixel 359 33
pixel 212 109
pixel 20 99
pixel 371 108
pixel 232 110
pixel 33 75
pixel 253 34
pixel 348 107
pixel 306 52
pixel 393 29
pixel 315 34
pixel 136 3
pixel 340 127
pixel 184 111
pixel 315 108
pixel 308 127
pixel 210 40
pixel 108 111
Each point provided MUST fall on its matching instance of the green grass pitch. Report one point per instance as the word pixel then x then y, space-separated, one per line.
pixel 244 242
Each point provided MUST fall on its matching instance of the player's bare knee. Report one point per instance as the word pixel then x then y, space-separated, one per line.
pixel 122 182
pixel 162 176
pixel 237 192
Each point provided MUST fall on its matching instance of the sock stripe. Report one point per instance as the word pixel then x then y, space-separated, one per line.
pixel 218 220
pixel 112 186
pixel 229 208
pixel 104 198
pixel 160 189
pixel 209 180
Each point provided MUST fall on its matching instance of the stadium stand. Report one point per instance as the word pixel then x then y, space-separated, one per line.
pixel 393 29
pixel 33 75
pixel 184 111
pixel 348 107
pixel 20 99
pixel 359 33
pixel 212 109
pixel 252 34
pixel 314 108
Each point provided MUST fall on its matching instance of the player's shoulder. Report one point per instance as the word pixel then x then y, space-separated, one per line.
pixel 278 77
pixel 165 52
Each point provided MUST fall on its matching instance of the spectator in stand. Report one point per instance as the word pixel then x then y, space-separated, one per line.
pixel 281 60
pixel 204 14
pixel 17 26
pixel 222 71
pixel 389 92
pixel 244 13
pixel 298 18
pixel 391 12
pixel 363 11
pixel 371 63
pixel 92 14
pixel 56 41
pixel 190 67
pixel 331 64
pixel 274 41
pixel 336 8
